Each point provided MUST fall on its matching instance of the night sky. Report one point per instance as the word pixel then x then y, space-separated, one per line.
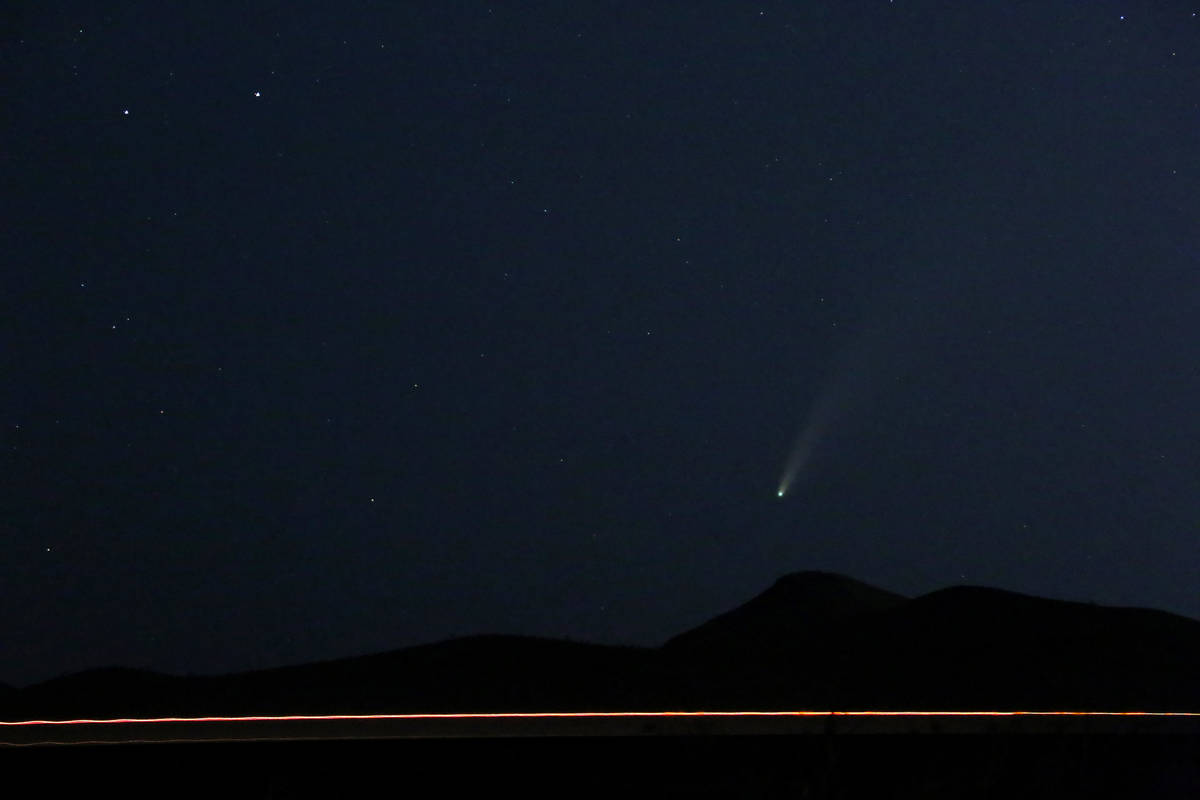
pixel 331 328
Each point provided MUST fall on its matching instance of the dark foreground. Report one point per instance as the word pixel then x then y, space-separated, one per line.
pixel 817 765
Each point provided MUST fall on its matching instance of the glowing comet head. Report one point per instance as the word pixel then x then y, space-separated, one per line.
pixel 779 493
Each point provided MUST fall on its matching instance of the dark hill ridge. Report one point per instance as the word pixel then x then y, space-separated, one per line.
pixel 491 672
pixel 798 605
pixel 812 640
pixel 964 646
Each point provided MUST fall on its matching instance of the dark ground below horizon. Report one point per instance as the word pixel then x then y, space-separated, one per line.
pixel 751 766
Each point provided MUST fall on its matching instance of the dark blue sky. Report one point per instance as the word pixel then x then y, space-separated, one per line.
pixel 330 328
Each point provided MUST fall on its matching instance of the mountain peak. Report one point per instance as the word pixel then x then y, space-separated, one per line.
pixel 815 577
pixel 796 604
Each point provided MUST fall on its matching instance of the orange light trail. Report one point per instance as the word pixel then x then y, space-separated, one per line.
pixel 598 715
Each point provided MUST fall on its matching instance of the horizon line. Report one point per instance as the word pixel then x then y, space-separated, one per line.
pixel 591 715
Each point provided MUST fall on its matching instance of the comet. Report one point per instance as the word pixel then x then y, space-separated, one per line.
pixel 894 328
pixel 859 373
pixel 801 454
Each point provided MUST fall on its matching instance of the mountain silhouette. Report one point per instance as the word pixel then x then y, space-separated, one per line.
pixel 798 605
pixel 812 640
